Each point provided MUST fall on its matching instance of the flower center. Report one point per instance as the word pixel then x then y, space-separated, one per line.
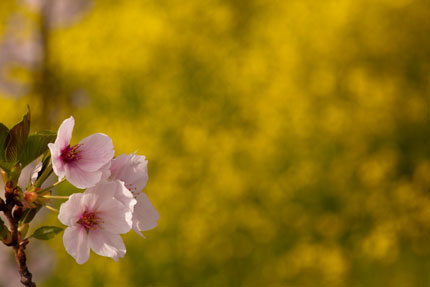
pixel 70 153
pixel 89 220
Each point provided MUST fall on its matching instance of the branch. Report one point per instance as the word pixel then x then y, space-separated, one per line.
pixel 16 243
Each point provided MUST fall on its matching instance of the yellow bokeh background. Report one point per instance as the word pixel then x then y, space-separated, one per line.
pixel 288 141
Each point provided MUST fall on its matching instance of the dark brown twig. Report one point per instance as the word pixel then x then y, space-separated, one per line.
pixel 16 242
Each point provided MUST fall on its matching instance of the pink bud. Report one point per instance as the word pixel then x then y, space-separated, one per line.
pixel 30 196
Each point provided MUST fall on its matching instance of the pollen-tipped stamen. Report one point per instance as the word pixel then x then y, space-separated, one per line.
pixel 70 153
pixel 89 220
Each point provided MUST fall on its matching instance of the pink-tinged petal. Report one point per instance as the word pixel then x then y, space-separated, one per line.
pixel 95 152
pixel 118 163
pixel 106 244
pixel 71 210
pixel 114 189
pixel 35 172
pixel 27 174
pixel 117 218
pixel 138 173
pixel 64 134
pixel 90 202
pixel 80 178
pixel 104 189
pixel 76 243
pixel 132 169
pixel 145 216
pixel 57 162
pixel 105 170
pixel 124 195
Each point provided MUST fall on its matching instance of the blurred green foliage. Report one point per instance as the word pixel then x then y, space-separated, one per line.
pixel 288 141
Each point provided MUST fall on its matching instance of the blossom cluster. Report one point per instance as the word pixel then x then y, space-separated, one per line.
pixel 113 202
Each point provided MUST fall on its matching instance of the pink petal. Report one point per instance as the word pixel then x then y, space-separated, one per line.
pixel 35 172
pixel 64 134
pixel 90 202
pixel 104 189
pixel 116 189
pixel 117 218
pixel 118 163
pixel 95 152
pixel 125 196
pixel 106 244
pixel 57 162
pixel 71 210
pixel 76 243
pixel 27 173
pixel 138 178
pixel 105 171
pixel 132 169
pixel 145 215
pixel 80 178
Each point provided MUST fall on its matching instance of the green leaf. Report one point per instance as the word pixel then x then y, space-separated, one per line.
pixel 36 145
pixel 46 232
pixel 6 165
pixel 4 131
pixel 15 140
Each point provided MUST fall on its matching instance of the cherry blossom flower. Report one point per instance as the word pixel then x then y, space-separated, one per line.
pixel 84 164
pixel 95 220
pixel 133 171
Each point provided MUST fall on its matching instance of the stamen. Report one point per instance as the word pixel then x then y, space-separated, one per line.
pixel 70 153
pixel 89 220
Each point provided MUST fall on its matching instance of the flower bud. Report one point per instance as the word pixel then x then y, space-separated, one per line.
pixel 30 196
pixel 29 199
pixel 18 212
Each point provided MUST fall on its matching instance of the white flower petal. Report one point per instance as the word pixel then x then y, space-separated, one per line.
pixel 114 189
pixel 104 189
pixel 145 216
pixel 90 202
pixel 57 162
pixel 106 244
pixel 64 134
pixel 27 173
pixel 95 151
pixel 125 196
pixel 132 169
pixel 71 210
pixel 35 172
pixel 118 163
pixel 75 241
pixel 80 178
pixel 116 217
